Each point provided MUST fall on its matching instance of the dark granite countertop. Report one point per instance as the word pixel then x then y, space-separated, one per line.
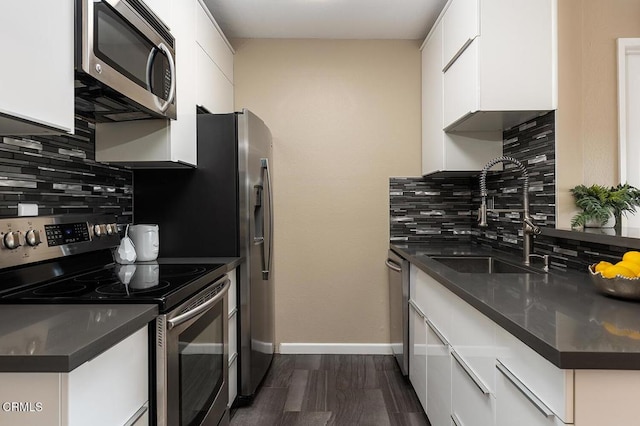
pixel 59 338
pixel 560 315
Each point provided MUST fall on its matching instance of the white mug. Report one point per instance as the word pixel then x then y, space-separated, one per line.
pixel 146 241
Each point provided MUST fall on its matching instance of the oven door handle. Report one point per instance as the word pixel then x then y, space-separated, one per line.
pixel 174 322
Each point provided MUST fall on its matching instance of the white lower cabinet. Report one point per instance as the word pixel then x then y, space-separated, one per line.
pixel 516 402
pixel 111 389
pixel 233 337
pixel 475 373
pixel 553 386
pixel 472 403
pixel 418 353
pixel 438 378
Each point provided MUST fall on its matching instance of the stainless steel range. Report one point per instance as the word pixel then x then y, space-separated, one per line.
pixel 67 259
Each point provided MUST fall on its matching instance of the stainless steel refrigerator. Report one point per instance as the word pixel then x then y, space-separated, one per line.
pixel 223 208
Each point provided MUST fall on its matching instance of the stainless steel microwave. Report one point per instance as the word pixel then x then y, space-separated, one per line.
pixel 124 62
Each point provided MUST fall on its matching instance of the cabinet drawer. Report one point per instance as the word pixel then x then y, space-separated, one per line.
pixel 473 338
pixel 212 41
pixel 461 92
pixel 514 401
pixel 233 381
pixel 233 334
pixel 418 354
pixel 461 24
pixel 233 288
pixel 470 406
pixel 433 298
pixel 553 386
pixel 438 380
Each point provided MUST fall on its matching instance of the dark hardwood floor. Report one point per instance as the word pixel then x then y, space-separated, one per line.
pixel 336 390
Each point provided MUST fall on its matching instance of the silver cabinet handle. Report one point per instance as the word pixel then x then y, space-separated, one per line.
pixel 137 415
pixel 418 310
pixel 472 375
pixel 199 309
pixel 393 265
pixel 458 54
pixel 456 420
pixel 541 406
pixel 436 331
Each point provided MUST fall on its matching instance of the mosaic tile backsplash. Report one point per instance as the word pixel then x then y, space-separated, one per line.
pixel 60 174
pixel 533 144
pixel 435 209
pixel 447 207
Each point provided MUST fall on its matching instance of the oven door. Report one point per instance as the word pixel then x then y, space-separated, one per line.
pixel 192 360
pixel 131 54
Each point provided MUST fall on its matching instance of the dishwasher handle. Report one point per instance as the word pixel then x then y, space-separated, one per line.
pixel 393 265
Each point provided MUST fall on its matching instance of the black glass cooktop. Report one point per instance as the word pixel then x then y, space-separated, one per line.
pixel 152 282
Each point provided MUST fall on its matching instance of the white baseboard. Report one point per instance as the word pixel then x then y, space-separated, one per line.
pixel 336 348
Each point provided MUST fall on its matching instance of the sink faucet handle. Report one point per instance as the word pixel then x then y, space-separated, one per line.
pixel 531 227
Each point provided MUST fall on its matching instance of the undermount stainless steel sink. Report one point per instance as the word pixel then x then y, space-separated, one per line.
pixel 483 265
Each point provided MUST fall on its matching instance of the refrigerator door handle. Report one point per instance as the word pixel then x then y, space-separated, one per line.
pixel 266 262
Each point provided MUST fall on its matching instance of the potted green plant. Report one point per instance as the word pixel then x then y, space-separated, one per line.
pixel 599 203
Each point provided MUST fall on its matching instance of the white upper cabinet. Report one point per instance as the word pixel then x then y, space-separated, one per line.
pixel 500 66
pixel 204 73
pixel 214 77
pixel 162 9
pixel 461 25
pixel 443 151
pixel 36 76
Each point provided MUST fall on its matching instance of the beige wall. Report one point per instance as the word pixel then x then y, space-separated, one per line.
pixel 587 117
pixel 345 115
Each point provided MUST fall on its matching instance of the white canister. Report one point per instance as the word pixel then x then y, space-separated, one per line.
pixel 146 241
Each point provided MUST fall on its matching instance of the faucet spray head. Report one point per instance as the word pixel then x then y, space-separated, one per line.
pixel 482 213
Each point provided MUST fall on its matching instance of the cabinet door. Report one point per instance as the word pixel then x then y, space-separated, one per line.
pixel 461 89
pixel 555 387
pixel 473 337
pixel 470 405
pixel 461 24
pixel 215 91
pixel 438 378
pixel 36 78
pixel 122 373
pixel 515 401
pixel 212 40
pixel 418 354
pixel 432 80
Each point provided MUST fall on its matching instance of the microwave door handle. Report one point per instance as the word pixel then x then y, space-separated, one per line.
pixel 162 105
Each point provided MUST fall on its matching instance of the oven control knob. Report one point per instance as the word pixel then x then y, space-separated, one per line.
pixel 98 230
pixel 32 237
pixel 11 240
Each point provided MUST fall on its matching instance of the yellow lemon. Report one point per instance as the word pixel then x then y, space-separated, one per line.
pixel 602 265
pixel 615 270
pixel 632 256
pixel 634 267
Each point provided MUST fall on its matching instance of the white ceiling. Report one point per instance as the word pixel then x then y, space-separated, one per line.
pixel 333 19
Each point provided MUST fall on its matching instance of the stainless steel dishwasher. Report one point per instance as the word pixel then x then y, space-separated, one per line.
pixel 399 309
